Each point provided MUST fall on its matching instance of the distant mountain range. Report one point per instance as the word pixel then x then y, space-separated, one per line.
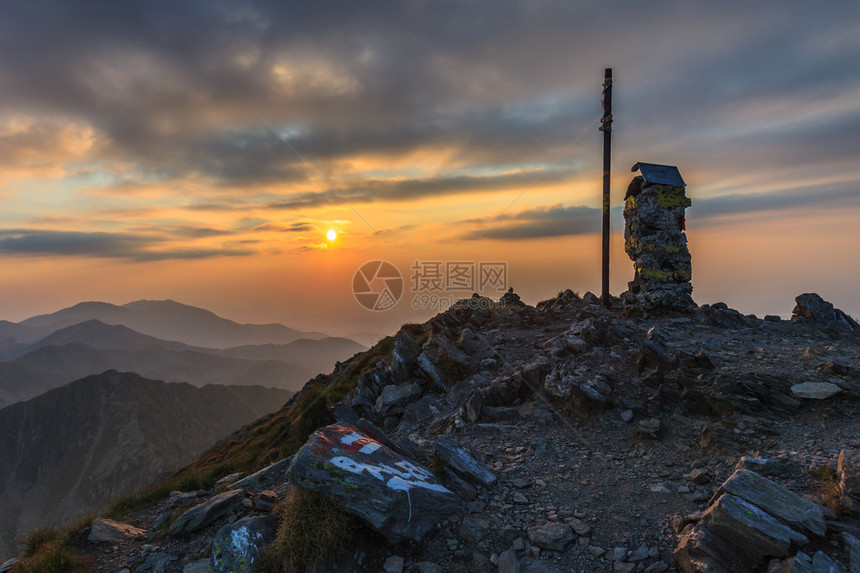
pixel 164 319
pixel 73 448
pixel 30 366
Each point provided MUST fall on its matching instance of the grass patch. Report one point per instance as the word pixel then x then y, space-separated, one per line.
pixel 828 489
pixel 314 530
pixel 51 550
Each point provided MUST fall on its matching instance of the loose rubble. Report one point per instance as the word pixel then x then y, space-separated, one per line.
pixel 562 437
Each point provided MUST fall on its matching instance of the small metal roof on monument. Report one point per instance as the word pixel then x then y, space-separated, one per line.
pixel 655 173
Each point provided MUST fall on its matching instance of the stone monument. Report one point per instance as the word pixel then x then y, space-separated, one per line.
pixel 654 239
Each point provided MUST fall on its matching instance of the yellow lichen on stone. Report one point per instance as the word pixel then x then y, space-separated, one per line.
pixel 671 197
pixel 664 276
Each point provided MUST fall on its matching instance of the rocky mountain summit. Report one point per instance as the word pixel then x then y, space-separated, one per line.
pixel 504 437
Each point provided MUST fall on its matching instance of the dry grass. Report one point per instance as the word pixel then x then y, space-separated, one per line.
pixel 314 530
pixel 828 489
pixel 50 550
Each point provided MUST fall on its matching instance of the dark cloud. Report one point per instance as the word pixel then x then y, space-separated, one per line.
pixel 411 189
pixel 559 220
pixel 807 198
pixel 550 221
pixel 184 89
pixel 297 227
pixel 138 247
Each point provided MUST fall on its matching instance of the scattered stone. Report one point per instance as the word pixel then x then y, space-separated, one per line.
pixel 428 567
pixel 227 480
pixel 393 564
pixel 815 390
pixel 156 562
pixel 649 427
pixel 508 562
pixel 461 462
pixel 226 504
pixel 256 480
pixel 392 494
pixel 580 527
pixel 657 567
pixel 199 566
pixel 552 536
pixel 110 531
pixel 236 546
pixel 699 477
pixel 761 466
pixel 627 416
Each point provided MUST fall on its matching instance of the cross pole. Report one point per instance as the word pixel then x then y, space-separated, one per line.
pixel 606 128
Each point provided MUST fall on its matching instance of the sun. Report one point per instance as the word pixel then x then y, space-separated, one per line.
pixel 331 235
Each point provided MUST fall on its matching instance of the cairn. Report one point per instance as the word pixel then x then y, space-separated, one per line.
pixel 654 239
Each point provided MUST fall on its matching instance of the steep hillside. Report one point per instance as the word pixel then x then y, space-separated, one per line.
pixel 317 355
pixel 74 448
pixel 53 366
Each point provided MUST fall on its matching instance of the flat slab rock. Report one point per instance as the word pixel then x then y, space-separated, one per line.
pixel 780 502
pixel 464 464
pixel 110 531
pixel 393 495
pixel 815 390
pixel 200 516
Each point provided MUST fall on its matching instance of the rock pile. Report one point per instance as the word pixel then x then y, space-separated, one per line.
pixel 749 520
pixel 654 239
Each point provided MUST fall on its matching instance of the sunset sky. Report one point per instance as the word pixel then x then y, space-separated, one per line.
pixel 201 151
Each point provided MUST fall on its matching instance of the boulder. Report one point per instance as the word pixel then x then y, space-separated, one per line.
pixel 700 551
pixel 464 464
pixel 236 546
pixel 110 531
pixel 223 505
pixel 431 371
pixel 815 390
pixel 552 536
pixel 392 494
pixel 776 500
pixel 751 531
pixel 812 308
pixel 404 356
pixel 509 562
pixel 396 395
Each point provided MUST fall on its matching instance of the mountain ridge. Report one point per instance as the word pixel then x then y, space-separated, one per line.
pixel 119 431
